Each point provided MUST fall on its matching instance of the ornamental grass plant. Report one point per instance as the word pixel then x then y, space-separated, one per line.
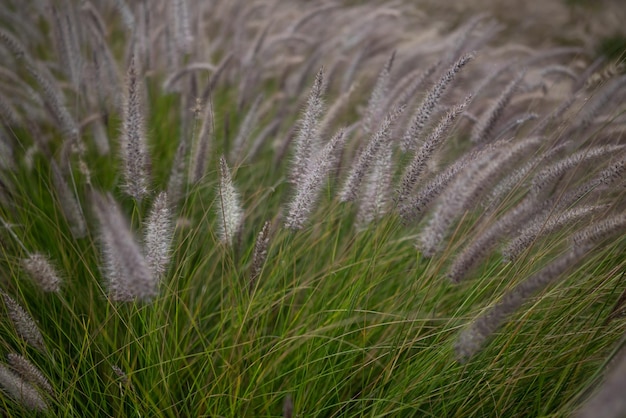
pixel 288 208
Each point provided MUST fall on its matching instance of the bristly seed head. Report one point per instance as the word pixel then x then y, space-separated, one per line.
pixel 24 324
pixel 260 254
pixel 158 236
pixel 360 167
pixel 128 275
pixel 20 390
pixel 43 273
pixel 306 141
pixel 230 213
pixel 30 373
pixel 422 114
pixel 307 192
pixel 133 140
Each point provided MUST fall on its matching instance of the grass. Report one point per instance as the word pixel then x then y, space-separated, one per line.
pixel 345 321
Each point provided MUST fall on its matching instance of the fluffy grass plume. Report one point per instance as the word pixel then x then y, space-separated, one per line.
pixel 360 167
pixel 158 235
pixel 307 192
pixel 30 373
pixel 229 208
pixel 430 145
pixel 306 140
pixel 422 114
pixel 133 139
pixel 42 271
pixel 259 254
pixel 18 389
pixel 24 324
pixel 127 272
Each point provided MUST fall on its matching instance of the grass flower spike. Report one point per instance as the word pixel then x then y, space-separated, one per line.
pixel 133 140
pixel 127 273
pixel 24 324
pixel 39 267
pixel 229 209
pixel 20 390
pixel 308 190
pixel 158 236
pixel 31 374
pixel 306 140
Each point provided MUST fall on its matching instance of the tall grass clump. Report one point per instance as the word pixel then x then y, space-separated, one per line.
pixel 277 208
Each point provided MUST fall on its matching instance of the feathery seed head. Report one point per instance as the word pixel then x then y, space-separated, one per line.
pixel 64 31
pixel 543 225
pixel 128 18
pixel 230 213
pixel 378 96
pixel 158 236
pixel 307 138
pixel 43 273
pixel 202 144
pixel 424 111
pixel 547 176
pixel 24 324
pixel 13 44
pixel 127 272
pixel 53 97
pixel 260 254
pixel 308 190
pixel 184 38
pixel 472 339
pixel 245 129
pixel 123 378
pixel 20 390
pixel 478 249
pixel 414 206
pixel 133 140
pixel 487 122
pixel 30 373
pixel 360 167
pixel 609 400
pixel 434 140
pixel 465 191
pixel 600 230
pixel 176 182
pixel 376 195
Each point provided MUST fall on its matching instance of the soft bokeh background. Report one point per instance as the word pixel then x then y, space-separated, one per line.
pixel 538 22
